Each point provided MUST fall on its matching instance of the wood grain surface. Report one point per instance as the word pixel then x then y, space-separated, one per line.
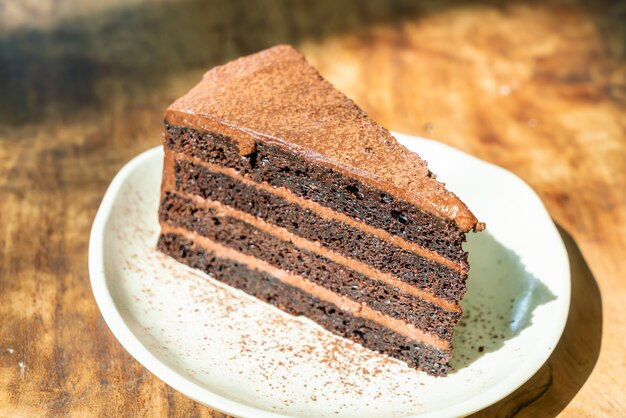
pixel 539 88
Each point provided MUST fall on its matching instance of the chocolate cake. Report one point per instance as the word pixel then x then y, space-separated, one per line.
pixel 279 185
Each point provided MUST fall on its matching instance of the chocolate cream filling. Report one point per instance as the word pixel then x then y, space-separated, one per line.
pixel 326 213
pixel 296 302
pixel 357 309
pixel 169 213
pixel 275 166
pixel 311 221
pixel 282 249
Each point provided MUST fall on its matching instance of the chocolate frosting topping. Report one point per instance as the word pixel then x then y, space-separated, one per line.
pixel 276 96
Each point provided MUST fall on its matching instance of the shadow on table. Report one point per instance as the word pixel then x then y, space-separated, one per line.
pixel 125 54
pixel 574 357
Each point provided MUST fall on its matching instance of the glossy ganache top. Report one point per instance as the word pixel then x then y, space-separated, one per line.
pixel 276 96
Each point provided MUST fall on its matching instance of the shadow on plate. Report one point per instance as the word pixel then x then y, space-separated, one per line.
pixel 558 381
pixel 499 303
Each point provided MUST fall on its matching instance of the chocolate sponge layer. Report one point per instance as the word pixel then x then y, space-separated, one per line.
pixel 182 212
pixel 328 187
pixel 352 242
pixel 296 302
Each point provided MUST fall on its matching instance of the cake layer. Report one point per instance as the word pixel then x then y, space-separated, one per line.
pixel 203 207
pixel 278 247
pixel 314 208
pixel 426 353
pixel 355 243
pixel 280 168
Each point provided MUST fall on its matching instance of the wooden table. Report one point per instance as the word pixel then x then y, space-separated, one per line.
pixel 538 89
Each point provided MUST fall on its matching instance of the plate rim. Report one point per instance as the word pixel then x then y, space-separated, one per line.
pixel 171 377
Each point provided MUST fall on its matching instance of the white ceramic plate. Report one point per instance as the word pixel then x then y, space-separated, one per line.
pixel 243 357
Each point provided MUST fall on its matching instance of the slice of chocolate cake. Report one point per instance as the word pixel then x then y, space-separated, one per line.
pixel 277 184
